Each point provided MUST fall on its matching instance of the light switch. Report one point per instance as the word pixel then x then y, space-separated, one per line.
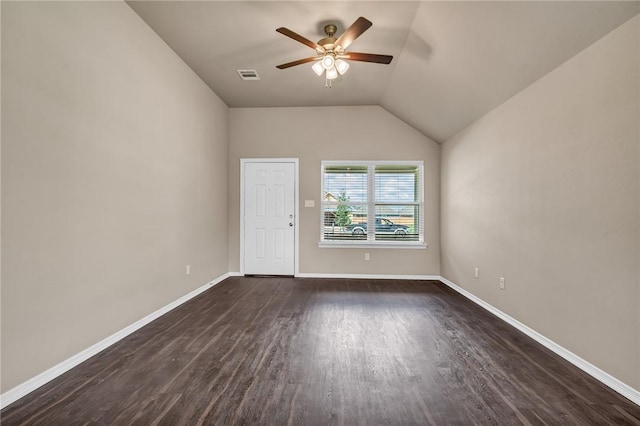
pixel 309 203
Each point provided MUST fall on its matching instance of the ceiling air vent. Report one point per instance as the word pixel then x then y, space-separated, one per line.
pixel 248 75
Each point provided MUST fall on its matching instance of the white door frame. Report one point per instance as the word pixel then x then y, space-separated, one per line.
pixel 296 213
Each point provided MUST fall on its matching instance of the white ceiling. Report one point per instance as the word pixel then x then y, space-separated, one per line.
pixel 453 61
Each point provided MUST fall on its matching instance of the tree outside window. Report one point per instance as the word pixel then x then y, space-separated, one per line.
pixel 343 211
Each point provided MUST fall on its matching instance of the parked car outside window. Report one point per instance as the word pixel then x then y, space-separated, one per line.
pixel 383 226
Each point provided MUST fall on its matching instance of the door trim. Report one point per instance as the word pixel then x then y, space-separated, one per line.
pixel 296 213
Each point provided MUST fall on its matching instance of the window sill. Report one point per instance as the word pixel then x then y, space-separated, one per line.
pixel 372 244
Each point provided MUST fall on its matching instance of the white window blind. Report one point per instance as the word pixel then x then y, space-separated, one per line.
pixel 379 203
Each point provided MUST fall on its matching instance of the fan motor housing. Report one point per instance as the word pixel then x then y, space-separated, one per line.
pixel 327 43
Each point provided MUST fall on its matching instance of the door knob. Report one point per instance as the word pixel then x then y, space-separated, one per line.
pixel 290 223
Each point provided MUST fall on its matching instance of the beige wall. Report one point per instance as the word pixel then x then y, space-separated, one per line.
pixel 544 191
pixel 114 178
pixel 355 133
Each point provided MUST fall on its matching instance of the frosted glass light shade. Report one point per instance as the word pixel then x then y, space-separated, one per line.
pixel 318 68
pixel 342 66
pixel 327 62
pixel 332 73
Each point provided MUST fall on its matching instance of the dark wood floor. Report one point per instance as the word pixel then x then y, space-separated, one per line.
pixel 278 351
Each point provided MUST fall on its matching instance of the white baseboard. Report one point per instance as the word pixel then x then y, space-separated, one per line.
pixel 34 383
pixel 368 276
pixel 604 377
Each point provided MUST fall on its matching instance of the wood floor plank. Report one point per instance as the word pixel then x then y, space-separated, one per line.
pixel 289 351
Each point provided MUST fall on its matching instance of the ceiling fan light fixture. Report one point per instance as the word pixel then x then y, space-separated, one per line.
pixel 318 68
pixel 331 52
pixel 342 66
pixel 328 62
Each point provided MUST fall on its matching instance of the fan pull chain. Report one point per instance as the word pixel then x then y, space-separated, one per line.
pixel 327 83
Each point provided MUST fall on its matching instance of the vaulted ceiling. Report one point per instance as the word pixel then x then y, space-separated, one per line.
pixel 454 61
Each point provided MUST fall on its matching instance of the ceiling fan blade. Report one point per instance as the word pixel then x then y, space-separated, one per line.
pixel 353 32
pixel 367 57
pixel 298 62
pixel 297 37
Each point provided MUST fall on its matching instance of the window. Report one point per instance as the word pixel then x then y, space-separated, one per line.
pixel 372 203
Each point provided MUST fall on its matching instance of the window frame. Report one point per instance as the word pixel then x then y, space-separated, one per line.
pixel 371 204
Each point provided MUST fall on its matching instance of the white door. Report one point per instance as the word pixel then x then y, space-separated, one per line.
pixel 269 218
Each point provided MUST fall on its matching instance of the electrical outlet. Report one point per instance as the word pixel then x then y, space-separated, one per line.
pixel 188 270
pixel 366 256
pixel 502 283
pixel 477 272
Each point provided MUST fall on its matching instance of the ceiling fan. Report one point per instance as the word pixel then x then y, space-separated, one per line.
pixel 331 54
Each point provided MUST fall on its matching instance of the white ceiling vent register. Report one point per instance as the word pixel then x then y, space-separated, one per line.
pixel 248 74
